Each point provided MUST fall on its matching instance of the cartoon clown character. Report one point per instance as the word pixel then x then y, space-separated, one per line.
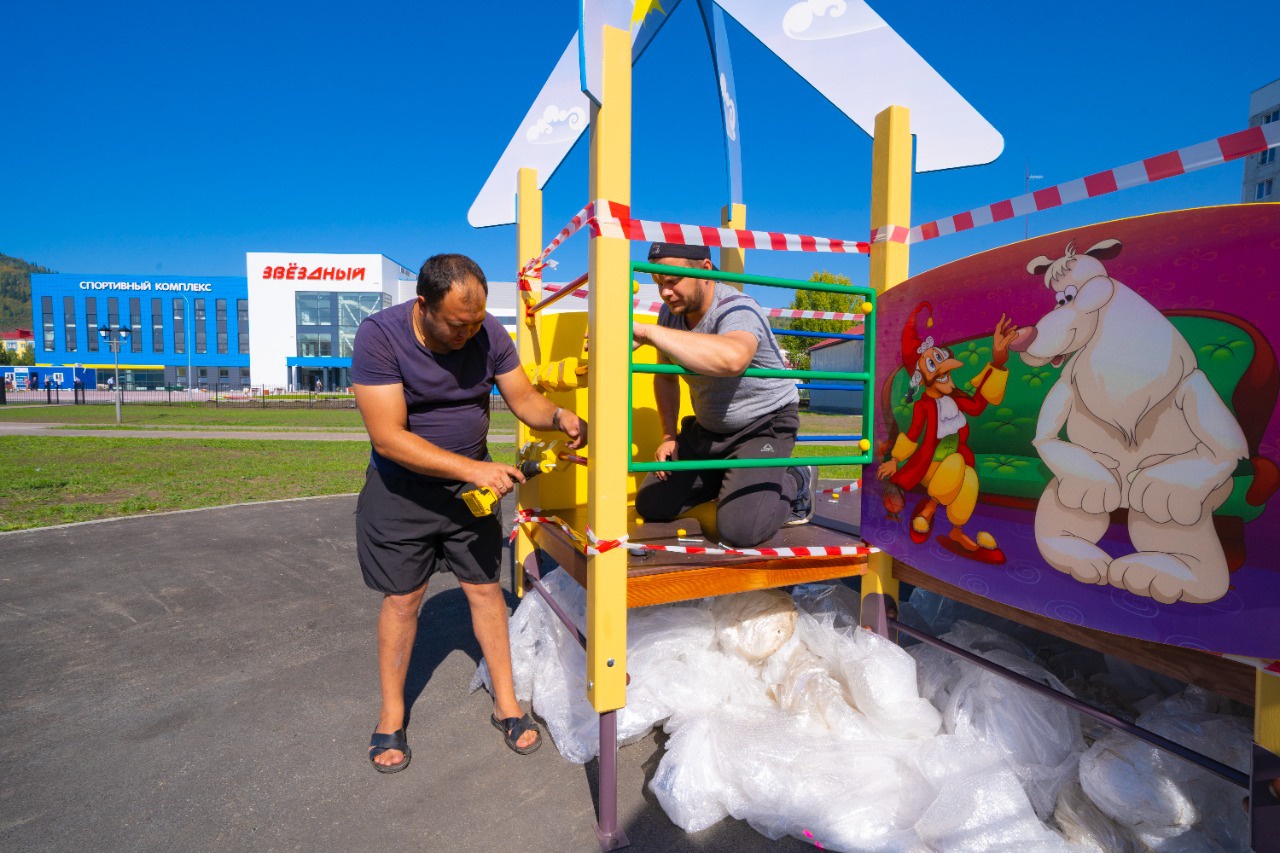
pixel 934 451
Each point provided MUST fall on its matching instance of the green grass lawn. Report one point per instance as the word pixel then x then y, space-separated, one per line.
pixel 56 480
pixel 59 480
pixel 194 415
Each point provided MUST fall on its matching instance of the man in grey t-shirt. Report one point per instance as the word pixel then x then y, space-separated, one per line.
pixel 713 330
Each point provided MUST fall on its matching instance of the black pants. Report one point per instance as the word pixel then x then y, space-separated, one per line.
pixel 752 502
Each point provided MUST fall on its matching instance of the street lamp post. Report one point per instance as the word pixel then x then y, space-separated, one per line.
pixel 114 336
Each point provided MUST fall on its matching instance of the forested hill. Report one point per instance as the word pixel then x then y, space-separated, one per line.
pixel 15 292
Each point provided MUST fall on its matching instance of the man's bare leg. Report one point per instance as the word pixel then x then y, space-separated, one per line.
pixel 489 622
pixel 397 627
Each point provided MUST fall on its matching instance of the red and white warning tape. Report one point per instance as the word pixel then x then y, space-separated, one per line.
pixel 582 217
pixel 610 219
pixel 1192 158
pixel 788 313
pixel 729 238
pixel 594 545
pixel 851 487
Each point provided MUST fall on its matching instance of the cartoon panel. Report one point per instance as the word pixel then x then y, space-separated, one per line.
pixel 1084 425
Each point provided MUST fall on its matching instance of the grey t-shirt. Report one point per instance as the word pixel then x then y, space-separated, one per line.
pixel 729 403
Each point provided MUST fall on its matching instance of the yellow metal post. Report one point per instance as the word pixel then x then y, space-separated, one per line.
pixel 1264 772
pixel 607 404
pixel 1266 720
pixel 528 245
pixel 890 205
pixel 733 260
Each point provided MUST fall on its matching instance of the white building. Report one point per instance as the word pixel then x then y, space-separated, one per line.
pixel 305 308
pixel 1262 171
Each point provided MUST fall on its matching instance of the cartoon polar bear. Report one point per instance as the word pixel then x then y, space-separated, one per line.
pixel 1145 431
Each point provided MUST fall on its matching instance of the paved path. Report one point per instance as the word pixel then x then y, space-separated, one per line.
pixel 206 680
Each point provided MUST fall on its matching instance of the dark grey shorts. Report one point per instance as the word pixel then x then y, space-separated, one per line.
pixel 407 530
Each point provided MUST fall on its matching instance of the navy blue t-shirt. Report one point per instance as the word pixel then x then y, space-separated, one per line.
pixel 447 394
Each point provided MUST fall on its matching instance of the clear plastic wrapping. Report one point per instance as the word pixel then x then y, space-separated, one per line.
pixel 784 713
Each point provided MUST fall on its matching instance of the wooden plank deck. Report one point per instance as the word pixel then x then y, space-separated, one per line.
pixel 662 577
pixel 659 577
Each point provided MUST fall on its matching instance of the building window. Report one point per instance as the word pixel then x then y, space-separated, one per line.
pixel 91 322
pixel 1274 115
pixel 224 376
pixel 202 343
pixel 244 377
pixel 135 325
pixel 220 322
pixel 46 311
pixel 69 322
pixel 157 325
pixel 1263 190
pixel 352 308
pixel 113 312
pixel 179 327
pixel 313 345
pixel 242 329
pixel 1268 156
pixel 314 309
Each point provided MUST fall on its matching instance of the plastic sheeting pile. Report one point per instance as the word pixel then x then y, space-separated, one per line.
pixel 784 713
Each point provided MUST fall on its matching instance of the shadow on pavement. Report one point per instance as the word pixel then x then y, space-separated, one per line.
pixel 208 680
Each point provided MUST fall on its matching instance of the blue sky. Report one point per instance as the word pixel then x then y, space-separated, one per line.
pixel 154 138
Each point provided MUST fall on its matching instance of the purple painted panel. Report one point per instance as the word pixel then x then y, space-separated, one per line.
pixel 1120 470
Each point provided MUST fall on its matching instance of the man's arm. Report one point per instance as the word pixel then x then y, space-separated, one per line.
pixel 386 418
pixel 666 391
pixel 537 411
pixel 728 354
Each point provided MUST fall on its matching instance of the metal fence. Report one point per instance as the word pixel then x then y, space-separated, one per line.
pixel 256 397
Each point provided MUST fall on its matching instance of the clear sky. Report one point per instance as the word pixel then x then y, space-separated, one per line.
pixel 149 138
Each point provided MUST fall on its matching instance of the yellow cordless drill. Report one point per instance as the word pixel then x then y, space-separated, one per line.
pixel 482 501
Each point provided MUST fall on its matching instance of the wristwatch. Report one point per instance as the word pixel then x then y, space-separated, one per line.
pixel 555 418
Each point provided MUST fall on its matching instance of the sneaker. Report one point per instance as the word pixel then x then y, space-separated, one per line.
pixel 805 502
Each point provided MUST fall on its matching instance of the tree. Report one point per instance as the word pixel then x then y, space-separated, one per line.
pixel 25 356
pixel 15 291
pixel 816 300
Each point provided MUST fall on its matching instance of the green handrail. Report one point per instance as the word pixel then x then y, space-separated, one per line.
pixel 761 372
pixel 763 280
pixel 864 377
pixel 778 462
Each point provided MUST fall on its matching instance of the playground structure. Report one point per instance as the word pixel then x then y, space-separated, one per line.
pixel 578 512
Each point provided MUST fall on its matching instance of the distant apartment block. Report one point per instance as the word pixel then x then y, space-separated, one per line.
pixel 1262 171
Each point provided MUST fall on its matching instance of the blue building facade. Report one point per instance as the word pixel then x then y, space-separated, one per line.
pixel 184 331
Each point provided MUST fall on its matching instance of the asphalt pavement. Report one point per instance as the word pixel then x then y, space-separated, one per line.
pixel 206 680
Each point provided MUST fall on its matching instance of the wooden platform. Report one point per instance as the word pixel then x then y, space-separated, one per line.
pixel 659 577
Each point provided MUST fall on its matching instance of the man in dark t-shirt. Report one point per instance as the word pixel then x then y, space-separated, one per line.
pixel 423 372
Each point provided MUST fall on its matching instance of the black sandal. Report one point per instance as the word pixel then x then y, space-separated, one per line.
pixel 380 743
pixel 513 728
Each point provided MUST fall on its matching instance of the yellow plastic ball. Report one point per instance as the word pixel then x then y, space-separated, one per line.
pixel 635 287
pixel 681 532
pixel 864 444
pixel 866 307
